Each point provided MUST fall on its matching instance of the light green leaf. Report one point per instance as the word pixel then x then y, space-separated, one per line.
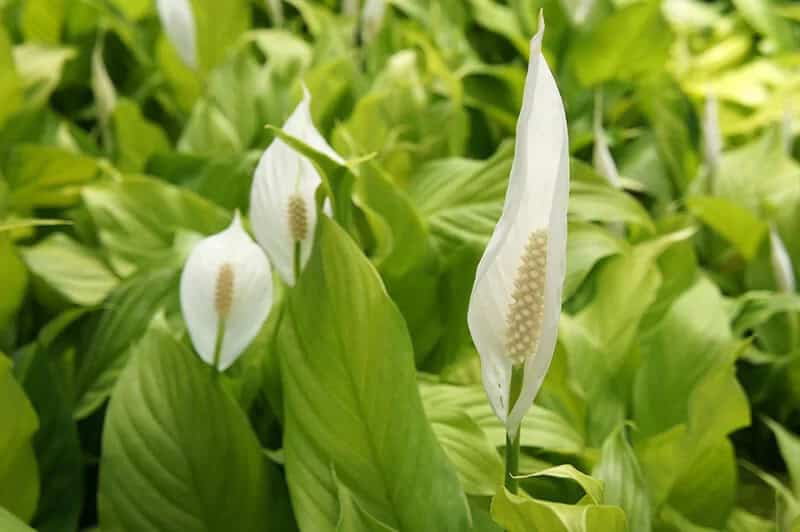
pixel 353 518
pixel 14 281
pixel 219 25
pixel 136 138
pixel 41 20
pixel 70 269
pixel 601 203
pixel 10 84
pixel 587 244
pixel 137 219
pixel 164 467
pixel 734 223
pixel 624 483
pixel 40 67
pixel 593 487
pixel 19 473
pixel 10 523
pixel 123 321
pixel 789 445
pixel 342 384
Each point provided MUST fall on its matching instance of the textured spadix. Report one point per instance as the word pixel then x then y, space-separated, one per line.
pixel 516 299
pixel 282 205
pixel 226 277
pixel 177 19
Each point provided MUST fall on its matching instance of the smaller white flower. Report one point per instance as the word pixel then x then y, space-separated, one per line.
pixel 781 262
pixel 372 19
pixel 603 161
pixel 226 287
pixel 712 136
pixel 177 19
pixel 282 204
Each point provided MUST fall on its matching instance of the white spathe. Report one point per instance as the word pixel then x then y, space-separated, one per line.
pixel 281 174
pixel 536 200
pixel 782 268
pixel 250 297
pixel 177 19
pixel 603 160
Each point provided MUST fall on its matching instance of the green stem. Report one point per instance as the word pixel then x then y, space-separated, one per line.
pixel 218 345
pixel 297 252
pixel 512 446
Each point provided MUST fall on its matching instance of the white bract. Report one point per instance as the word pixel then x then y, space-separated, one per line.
pixel 516 299
pixel 177 19
pixel 282 205
pixel 226 282
pixel 602 159
pixel 781 262
pixel 712 136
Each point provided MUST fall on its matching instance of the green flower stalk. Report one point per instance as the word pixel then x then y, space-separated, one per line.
pixel 516 299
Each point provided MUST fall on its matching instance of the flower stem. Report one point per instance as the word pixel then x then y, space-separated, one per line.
pixel 296 260
pixel 218 345
pixel 512 445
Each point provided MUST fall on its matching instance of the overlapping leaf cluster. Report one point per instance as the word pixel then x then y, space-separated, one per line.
pixel 676 381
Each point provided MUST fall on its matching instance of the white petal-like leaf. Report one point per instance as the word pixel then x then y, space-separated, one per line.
pixel 282 174
pixel 536 202
pixel 177 19
pixel 248 296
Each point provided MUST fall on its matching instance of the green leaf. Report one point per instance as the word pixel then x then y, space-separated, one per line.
pixel 137 219
pixel 70 269
pixel 734 223
pixel 587 244
pixel 635 41
pixel 42 20
pixel 593 487
pixel 341 386
pixel 40 68
pixel 601 203
pixel 756 307
pixel 9 522
pixel 19 473
pixel 219 25
pixel 624 482
pixel 462 199
pixel 353 518
pixel 164 467
pixel 789 445
pixel 123 321
pixel 519 513
pixel 13 281
pixel 11 84
pixel 136 138
pixel 56 444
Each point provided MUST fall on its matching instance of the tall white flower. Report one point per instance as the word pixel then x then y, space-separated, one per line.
pixel 781 262
pixel 712 136
pixel 226 294
pixel 602 159
pixel 177 19
pixel 282 206
pixel 516 299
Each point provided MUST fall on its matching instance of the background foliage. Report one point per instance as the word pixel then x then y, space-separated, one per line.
pixel 676 381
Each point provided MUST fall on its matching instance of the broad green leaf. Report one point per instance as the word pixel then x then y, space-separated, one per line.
pixel 476 459
pixel 734 223
pixel 123 321
pixel 601 203
pixel 461 199
pixel 11 84
pixel 137 219
pixel 635 41
pixel 624 483
pixel 541 427
pixel 72 270
pixel 10 523
pixel 587 244
pixel 40 67
pixel 19 473
pixel 762 15
pixel 136 138
pixel 219 25
pixel 164 467
pixel 13 281
pixel 593 487
pixel 341 386
pixel 789 445
pixel 353 518
pixel 41 20
pixel 754 308
pixel 56 444
pixel 209 132
pixel 45 176
pixel 520 513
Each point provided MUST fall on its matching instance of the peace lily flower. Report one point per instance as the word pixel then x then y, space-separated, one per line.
pixel 712 137
pixel 516 299
pixel 226 294
pixel 177 18
pixel 282 205
pixel 781 262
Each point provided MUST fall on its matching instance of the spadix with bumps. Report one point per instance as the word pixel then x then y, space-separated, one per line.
pixel 226 294
pixel 516 299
